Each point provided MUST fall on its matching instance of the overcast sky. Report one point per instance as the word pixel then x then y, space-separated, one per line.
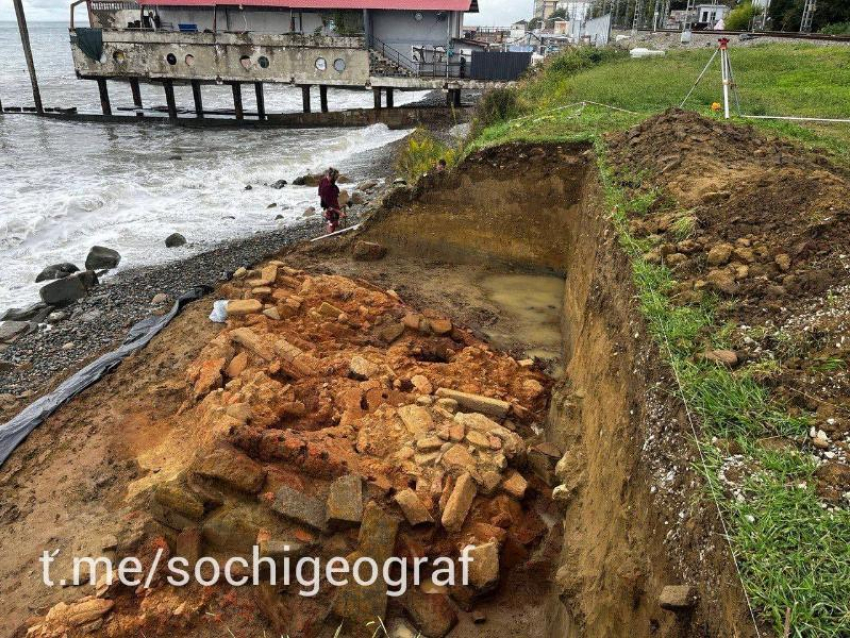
pixel 493 12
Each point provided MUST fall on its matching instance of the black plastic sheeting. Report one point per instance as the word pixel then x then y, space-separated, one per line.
pixel 13 433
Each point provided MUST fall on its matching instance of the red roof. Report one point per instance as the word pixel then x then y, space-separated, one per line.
pixel 409 5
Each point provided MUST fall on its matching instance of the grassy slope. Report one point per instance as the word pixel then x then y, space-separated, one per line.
pixel 794 554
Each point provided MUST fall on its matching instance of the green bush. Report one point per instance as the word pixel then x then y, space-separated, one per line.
pixel 578 59
pixel 839 28
pixel 421 155
pixel 741 16
pixel 497 105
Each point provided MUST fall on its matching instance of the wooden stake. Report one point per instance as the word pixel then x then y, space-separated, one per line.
pixel 25 41
pixel 377 93
pixel 390 98
pixel 261 100
pixel 105 105
pixel 169 99
pixel 323 95
pixel 137 96
pixel 305 98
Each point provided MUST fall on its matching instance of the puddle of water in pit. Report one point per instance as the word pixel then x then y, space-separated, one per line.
pixel 531 306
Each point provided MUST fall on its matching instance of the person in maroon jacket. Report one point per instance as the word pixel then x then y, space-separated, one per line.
pixel 329 194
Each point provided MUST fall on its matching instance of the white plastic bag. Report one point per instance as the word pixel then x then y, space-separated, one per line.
pixel 219 313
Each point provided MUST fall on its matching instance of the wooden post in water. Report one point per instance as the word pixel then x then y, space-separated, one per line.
pixel 25 41
pixel 377 93
pixel 237 100
pixel 137 96
pixel 261 100
pixel 169 99
pixel 105 105
pixel 305 97
pixel 199 99
pixel 390 99
pixel 323 94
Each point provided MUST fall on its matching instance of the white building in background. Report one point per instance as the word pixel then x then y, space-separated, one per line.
pixel 518 30
pixel 576 9
pixel 711 14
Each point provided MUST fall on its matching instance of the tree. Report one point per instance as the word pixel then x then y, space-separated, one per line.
pixel 741 16
pixel 788 14
pixel 560 13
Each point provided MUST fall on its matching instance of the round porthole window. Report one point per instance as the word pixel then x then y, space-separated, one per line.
pixel 263 62
pixel 246 62
pixel 418 17
pixel 339 65
pixel 322 64
pixel 190 60
pixel 119 57
pixel 171 59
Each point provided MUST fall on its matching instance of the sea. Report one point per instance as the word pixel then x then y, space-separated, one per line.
pixel 65 187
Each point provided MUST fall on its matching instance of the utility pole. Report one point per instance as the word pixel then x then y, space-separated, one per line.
pixel 808 16
pixel 25 40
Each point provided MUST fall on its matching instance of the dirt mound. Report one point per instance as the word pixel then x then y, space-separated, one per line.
pixel 762 225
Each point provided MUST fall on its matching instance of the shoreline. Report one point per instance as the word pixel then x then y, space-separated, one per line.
pixel 100 321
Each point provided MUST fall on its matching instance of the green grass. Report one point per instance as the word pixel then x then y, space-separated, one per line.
pixel 784 80
pixel 794 555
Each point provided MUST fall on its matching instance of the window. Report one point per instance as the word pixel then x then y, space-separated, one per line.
pixel 171 59
pixel 339 65
pixel 263 62
pixel 321 64
pixel 119 57
pixel 245 61
pixel 190 59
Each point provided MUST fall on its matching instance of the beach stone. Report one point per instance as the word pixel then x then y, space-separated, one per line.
pixel 63 292
pixel 477 403
pixel 175 240
pixel 368 251
pixel 232 468
pixel 431 613
pixel 279 184
pixel 345 502
pixel 36 312
pixel 414 511
pixel 160 299
pixel 300 508
pixel 243 307
pixel 726 358
pixel 56 271
pixel 678 598
pixel 11 329
pixel 102 258
pixel 459 503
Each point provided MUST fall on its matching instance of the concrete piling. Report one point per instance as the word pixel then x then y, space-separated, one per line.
pixel 377 93
pixel 237 100
pixel 137 96
pixel 261 100
pixel 199 99
pixel 105 105
pixel 323 96
pixel 169 99
pixel 390 98
pixel 305 96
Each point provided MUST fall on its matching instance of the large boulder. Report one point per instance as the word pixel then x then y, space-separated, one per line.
pixel 63 292
pixel 175 240
pixel 101 258
pixel 56 271
pixel 11 329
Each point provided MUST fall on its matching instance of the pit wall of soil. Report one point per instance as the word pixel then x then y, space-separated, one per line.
pixel 637 517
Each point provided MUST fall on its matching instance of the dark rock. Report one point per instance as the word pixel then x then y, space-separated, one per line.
pixel 300 508
pixel 36 312
pixel 279 184
pixel 345 502
pixel 368 251
pixel 63 291
pixel 89 278
pixel 249 188
pixel 102 258
pixel 175 240
pixel 57 271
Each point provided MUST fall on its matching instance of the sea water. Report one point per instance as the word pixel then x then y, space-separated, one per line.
pixel 65 187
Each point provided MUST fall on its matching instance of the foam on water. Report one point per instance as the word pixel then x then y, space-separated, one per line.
pixel 65 187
